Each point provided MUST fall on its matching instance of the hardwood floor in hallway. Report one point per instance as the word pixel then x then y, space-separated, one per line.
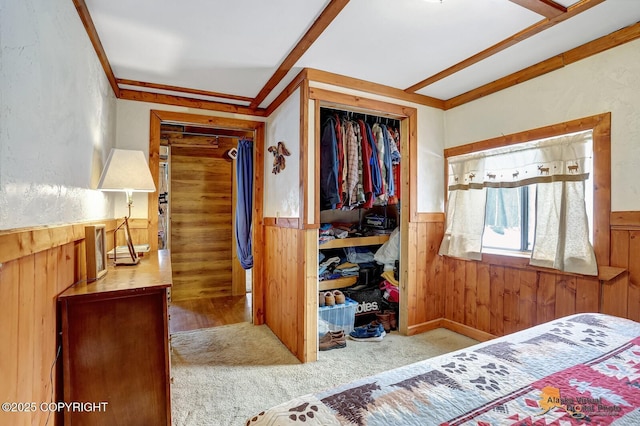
pixel 186 315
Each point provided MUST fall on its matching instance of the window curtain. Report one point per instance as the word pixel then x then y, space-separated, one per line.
pixel 559 167
pixel 244 202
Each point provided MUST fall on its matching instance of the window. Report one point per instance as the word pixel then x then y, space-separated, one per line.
pixel 510 218
pixel 533 199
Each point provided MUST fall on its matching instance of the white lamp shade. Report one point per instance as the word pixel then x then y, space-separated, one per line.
pixel 126 170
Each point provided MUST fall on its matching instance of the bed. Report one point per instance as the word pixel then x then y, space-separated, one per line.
pixel 583 369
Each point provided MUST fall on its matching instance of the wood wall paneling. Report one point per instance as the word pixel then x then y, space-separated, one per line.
pixel 284 287
pixel 420 270
pixel 201 234
pixel 29 286
pixel 616 293
pixel 424 298
pixel 501 299
pixel 565 295
pixel 546 297
pixel 483 298
pixel 633 310
pixel 527 299
pixel 587 294
pixel 496 295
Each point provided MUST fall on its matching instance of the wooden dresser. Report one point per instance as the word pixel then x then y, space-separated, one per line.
pixel 115 339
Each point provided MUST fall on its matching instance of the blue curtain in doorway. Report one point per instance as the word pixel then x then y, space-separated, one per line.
pixel 244 204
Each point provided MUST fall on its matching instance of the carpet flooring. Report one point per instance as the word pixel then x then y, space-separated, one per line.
pixel 224 375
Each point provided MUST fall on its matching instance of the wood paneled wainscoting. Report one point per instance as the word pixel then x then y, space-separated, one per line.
pixel 625 253
pixel 425 297
pixel 287 299
pixel 501 294
pixel 499 298
pixel 36 265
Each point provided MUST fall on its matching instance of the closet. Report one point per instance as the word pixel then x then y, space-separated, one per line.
pixel 360 158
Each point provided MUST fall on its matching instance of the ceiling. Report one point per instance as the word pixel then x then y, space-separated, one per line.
pixel 245 52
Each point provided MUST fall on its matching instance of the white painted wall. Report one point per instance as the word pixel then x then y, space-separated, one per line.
pixel 132 132
pixel 607 82
pixel 57 117
pixel 282 190
pixel 430 162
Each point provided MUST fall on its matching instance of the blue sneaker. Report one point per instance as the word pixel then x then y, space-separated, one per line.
pixel 373 332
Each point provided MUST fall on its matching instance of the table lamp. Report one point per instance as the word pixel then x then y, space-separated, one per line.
pixel 126 171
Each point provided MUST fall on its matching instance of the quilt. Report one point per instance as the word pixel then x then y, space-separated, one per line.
pixel 583 369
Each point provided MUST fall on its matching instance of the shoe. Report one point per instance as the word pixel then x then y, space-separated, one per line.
pixel 321 300
pixel 329 298
pixel 384 319
pixel 330 341
pixel 372 332
pixel 339 297
pixel 393 322
pixel 332 335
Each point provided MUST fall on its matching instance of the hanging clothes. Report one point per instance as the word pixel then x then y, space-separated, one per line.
pixel 329 196
pixel 359 162
pixel 244 202
pixel 353 164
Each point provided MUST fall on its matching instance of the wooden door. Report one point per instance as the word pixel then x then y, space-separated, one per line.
pixel 201 222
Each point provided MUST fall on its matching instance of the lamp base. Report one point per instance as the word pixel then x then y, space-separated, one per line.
pixel 127 261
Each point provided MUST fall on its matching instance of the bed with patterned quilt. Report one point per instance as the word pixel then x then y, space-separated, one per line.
pixel 583 369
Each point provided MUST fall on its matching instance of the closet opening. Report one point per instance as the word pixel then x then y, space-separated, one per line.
pixel 360 217
pixel 196 210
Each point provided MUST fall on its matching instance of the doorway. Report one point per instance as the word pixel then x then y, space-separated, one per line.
pixel 209 285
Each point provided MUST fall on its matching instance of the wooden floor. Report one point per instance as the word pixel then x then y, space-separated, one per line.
pixel 194 314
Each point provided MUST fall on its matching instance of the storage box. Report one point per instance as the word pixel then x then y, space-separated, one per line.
pixel 337 317
pixel 368 304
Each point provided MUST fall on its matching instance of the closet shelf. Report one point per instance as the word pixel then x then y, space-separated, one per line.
pixel 337 283
pixel 354 242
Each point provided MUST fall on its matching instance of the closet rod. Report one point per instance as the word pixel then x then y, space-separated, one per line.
pixel 207 134
pixel 365 116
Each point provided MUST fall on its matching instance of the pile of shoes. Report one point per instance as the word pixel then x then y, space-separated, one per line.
pixel 331 298
pixel 332 340
pixel 388 320
pixel 372 332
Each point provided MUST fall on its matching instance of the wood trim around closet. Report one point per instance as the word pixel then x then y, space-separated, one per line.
pixel 304 152
pixel 343 100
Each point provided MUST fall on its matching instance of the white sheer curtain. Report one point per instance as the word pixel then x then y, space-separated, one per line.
pixel 465 224
pixel 559 167
pixel 562 229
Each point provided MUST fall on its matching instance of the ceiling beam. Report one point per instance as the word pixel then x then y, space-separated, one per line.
pixel 158 98
pixel 321 23
pixel 534 29
pixel 546 8
pixel 182 90
pixel 616 38
pixel 83 12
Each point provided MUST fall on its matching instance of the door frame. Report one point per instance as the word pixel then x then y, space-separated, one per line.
pixel 157 117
